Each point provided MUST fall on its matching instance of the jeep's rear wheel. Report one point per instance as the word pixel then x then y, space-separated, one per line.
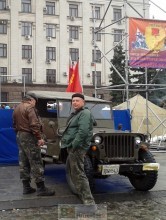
pixel 146 180
pixel 89 173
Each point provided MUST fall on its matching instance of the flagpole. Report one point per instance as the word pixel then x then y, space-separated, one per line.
pixel 81 82
pixel 80 78
pixel 94 39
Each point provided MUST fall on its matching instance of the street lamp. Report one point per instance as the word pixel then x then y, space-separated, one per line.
pixel 24 83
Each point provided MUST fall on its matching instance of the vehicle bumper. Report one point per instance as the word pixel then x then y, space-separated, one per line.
pixel 127 168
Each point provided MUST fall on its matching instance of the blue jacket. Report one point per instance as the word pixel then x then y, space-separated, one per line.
pixel 79 130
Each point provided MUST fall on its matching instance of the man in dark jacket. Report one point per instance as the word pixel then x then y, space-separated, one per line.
pixel 76 138
pixel 28 127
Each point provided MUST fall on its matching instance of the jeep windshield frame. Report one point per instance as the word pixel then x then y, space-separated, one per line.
pixel 100 111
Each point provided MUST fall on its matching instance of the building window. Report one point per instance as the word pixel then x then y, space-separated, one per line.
pixel 73 32
pixel 4 96
pixel 96 56
pixel 98 76
pixel 50 8
pixel 3 50
pixel 50 30
pixel 117 13
pixel 117 35
pixel 3 72
pixel 74 54
pixel 97 35
pixel 26 28
pixel 97 13
pixel 3 27
pixel 27 73
pixel 50 53
pixel 2 4
pixel 73 10
pixel 51 76
pixel 26 51
pixel 26 6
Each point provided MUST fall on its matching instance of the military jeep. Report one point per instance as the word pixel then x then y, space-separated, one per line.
pixel 111 152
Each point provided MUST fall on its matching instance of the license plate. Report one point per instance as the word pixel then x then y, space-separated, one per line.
pixel 110 169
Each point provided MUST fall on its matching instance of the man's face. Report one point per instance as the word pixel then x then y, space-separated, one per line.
pixel 77 103
pixel 33 102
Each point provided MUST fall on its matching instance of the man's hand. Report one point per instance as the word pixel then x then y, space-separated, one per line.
pixel 40 142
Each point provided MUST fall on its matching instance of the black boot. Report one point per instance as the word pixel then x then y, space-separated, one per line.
pixel 27 189
pixel 44 191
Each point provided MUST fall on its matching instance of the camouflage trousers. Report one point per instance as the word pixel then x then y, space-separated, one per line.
pixel 77 173
pixel 30 162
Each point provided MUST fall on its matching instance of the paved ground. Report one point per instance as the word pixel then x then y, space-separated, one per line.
pixel 115 192
pixel 153 209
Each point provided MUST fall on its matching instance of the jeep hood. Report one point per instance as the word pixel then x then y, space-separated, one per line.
pixel 104 130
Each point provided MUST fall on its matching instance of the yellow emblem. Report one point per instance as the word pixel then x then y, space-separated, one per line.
pixel 155 36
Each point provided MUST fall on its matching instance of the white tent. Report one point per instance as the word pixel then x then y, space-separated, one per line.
pixel 156 116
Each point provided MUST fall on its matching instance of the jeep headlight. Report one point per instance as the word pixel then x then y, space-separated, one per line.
pixel 137 140
pixel 97 140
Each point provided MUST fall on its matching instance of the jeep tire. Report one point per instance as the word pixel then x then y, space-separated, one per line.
pixel 89 173
pixel 148 180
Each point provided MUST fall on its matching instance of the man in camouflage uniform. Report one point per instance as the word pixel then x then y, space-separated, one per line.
pixel 76 138
pixel 28 127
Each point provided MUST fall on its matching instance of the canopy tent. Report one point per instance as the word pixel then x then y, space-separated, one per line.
pixel 156 116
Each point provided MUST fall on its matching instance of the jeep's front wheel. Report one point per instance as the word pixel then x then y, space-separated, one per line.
pixel 147 179
pixel 89 173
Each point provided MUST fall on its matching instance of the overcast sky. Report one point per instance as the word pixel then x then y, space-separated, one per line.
pixel 158 13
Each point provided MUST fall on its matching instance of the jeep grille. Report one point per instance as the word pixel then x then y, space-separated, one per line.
pixel 119 146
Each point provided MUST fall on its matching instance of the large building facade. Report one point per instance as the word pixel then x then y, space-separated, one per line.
pixel 38 37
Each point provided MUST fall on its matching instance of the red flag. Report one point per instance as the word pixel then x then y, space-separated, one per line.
pixel 74 80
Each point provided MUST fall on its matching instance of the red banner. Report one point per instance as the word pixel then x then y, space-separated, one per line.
pixel 147 43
